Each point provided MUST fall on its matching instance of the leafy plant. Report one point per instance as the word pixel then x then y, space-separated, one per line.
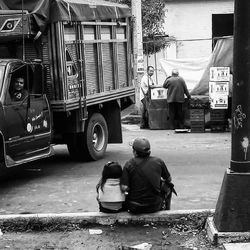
pixel 153 17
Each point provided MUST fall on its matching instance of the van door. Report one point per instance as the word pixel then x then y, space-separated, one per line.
pixel 28 120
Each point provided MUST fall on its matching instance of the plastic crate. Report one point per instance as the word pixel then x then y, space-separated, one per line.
pixel 197 126
pixel 218 120
pixel 217 114
pixel 197 120
pixel 218 128
pixel 197 115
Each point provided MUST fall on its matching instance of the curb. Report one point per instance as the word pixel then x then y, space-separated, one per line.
pixel 23 222
pixel 217 237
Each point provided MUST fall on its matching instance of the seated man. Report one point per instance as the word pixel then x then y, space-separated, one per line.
pixel 17 92
pixel 142 178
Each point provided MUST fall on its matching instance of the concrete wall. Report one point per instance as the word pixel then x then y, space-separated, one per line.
pixel 190 22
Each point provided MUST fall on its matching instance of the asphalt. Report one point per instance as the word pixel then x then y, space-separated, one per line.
pixel 22 222
pixel 129 116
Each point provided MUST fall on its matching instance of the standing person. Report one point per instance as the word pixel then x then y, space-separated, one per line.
pixel 109 195
pixel 146 81
pixel 141 179
pixel 175 98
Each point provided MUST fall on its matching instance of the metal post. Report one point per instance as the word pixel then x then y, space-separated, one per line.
pixel 138 47
pixel 155 58
pixel 23 40
pixel 232 213
pixel 240 154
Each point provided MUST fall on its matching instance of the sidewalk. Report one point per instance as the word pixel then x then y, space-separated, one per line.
pixel 178 229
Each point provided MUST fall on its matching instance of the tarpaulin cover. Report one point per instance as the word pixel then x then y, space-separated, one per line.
pixel 47 11
pixel 191 69
pixel 222 56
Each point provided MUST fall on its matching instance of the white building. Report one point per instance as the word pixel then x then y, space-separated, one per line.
pixel 194 24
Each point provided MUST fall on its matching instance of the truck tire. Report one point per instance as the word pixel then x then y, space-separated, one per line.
pixel 92 144
pixel 96 137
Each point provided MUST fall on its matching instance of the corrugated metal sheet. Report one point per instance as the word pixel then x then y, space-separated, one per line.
pixel 108 69
pixel 30 51
pixel 122 65
pixel 91 69
pixel 46 61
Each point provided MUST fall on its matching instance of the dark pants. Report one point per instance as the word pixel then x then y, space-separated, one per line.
pixel 144 113
pixel 176 115
pixel 138 208
pixel 106 210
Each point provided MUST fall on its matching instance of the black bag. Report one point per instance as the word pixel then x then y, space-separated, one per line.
pixel 167 188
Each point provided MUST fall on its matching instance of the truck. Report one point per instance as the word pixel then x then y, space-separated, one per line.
pixel 75 57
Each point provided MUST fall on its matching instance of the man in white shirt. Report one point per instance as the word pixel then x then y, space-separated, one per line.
pixel 146 81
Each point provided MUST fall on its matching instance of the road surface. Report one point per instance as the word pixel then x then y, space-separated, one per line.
pixel 197 162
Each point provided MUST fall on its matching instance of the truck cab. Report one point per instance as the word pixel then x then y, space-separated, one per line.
pixel 64 77
pixel 25 118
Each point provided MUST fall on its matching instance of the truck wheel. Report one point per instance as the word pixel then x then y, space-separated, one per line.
pixel 92 144
pixel 96 137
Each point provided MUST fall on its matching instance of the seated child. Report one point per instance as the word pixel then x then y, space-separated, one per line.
pixel 109 194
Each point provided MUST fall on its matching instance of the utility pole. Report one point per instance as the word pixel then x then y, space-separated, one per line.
pixel 232 212
pixel 138 46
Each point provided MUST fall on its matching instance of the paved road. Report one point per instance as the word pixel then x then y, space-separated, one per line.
pixel 197 162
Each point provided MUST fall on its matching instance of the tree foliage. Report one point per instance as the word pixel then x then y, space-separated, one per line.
pixel 153 17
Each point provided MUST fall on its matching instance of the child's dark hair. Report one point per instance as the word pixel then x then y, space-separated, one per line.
pixel 110 170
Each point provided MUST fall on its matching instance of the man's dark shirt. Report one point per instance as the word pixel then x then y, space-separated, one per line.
pixel 140 189
pixel 176 89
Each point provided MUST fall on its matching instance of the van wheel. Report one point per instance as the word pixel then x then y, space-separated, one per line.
pixel 92 144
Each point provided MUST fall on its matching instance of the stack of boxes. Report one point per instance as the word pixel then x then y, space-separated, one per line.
pixel 197 120
pixel 218 120
pixel 197 107
pixel 218 95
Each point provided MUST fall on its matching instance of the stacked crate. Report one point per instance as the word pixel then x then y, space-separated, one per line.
pixel 218 120
pixel 197 120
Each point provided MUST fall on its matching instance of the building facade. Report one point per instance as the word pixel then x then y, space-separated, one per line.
pixel 195 24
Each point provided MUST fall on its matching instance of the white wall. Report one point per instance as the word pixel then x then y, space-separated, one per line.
pixel 189 20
